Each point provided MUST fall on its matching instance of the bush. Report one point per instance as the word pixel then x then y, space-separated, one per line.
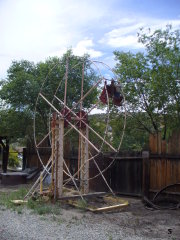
pixel 14 160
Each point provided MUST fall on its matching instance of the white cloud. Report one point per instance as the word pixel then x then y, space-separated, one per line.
pixel 85 46
pixel 123 36
pixel 117 40
pixel 36 29
pixel 126 36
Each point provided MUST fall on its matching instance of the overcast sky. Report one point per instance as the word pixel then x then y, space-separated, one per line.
pixel 36 29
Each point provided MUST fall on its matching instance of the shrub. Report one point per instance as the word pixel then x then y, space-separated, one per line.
pixel 14 160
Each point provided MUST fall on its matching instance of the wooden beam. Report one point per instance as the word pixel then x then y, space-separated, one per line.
pixel 146 174
pixel 87 125
pixel 90 143
pixel 59 156
pixel 89 195
pixel 84 173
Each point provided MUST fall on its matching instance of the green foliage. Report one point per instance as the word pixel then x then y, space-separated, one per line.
pixel 13 160
pixel 38 207
pixel 16 124
pixel 20 90
pixel 97 122
pixel 135 138
pixel 150 80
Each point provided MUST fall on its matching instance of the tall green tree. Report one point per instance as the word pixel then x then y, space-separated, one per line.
pixel 151 80
pixel 24 82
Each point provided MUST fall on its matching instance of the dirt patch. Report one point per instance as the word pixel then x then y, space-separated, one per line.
pixel 134 222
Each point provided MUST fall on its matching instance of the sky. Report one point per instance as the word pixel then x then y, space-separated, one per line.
pixel 36 29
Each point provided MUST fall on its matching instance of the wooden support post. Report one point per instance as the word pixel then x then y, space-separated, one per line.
pixel 53 123
pixel 84 163
pixel 146 174
pixel 41 183
pixel 59 156
pixel 84 151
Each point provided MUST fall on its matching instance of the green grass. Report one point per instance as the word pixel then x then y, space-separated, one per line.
pixel 82 204
pixel 6 197
pixel 38 207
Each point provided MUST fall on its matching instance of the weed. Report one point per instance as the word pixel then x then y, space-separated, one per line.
pixel 60 221
pixel 54 218
pixel 32 204
pixel 6 198
pixel 41 208
pixel 75 218
pixel 110 238
pixel 82 204
pixel 19 210
pixel 43 218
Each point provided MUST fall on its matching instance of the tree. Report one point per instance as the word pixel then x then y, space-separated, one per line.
pixel 23 84
pixel 13 160
pixel 151 80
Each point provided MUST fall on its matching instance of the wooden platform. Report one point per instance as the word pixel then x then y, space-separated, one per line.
pixel 13 178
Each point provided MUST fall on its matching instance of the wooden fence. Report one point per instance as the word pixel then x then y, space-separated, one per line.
pixel 164 162
pixel 131 173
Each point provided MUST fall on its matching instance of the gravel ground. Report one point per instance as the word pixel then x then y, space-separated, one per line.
pixel 133 223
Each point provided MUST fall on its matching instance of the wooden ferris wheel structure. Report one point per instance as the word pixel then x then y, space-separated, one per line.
pixel 67 118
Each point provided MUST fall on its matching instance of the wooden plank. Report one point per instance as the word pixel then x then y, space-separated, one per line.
pixel 163 146
pixel 178 143
pixel 158 174
pixel 174 143
pixel 128 158
pixel 146 174
pixel 178 176
pixel 84 156
pixel 174 171
pixel 88 195
pixel 178 171
pixel 159 144
pixel 109 208
pixel 151 174
pixel 168 172
pixel 153 143
pixel 60 158
pixel 153 163
pixel 163 173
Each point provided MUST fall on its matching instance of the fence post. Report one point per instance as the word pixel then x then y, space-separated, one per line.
pixel 146 174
